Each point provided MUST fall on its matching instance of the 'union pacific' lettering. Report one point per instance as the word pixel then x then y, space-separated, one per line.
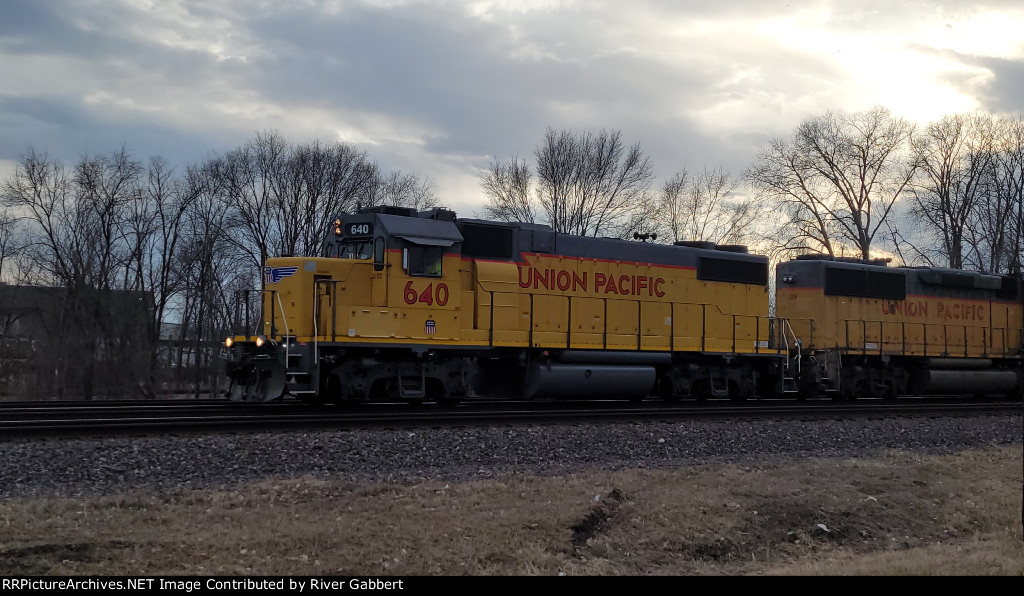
pixel 564 280
pixel 958 311
pixel 961 311
pixel 551 279
pixel 909 308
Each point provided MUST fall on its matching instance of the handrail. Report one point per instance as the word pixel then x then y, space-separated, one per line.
pixel 287 331
pixel 784 330
pixel 987 344
pixel 273 321
pixel 754 319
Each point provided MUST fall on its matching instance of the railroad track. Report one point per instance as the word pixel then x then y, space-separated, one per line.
pixel 75 419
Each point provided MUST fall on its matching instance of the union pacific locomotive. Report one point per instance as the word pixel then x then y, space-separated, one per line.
pixel 423 306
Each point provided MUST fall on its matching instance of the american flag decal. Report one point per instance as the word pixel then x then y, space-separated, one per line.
pixel 430 326
pixel 272 275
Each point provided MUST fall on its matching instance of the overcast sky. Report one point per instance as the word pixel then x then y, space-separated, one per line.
pixel 442 88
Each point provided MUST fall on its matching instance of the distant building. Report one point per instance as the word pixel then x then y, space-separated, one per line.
pixel 34 315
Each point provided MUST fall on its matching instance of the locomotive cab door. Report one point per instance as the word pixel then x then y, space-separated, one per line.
pixel 379 275
pixel 324 307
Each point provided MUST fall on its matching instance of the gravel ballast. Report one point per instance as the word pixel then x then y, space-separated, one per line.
pixel 89 467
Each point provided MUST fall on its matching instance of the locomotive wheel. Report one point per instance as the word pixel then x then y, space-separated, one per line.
pixel 438 393
pixel 702 390
pixel 807 391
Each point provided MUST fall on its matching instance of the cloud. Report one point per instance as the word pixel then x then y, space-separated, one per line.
pixel 441 88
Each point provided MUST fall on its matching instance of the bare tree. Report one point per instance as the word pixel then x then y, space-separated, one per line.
pixel 283 197
pixel 837 179
pixel 592 184
pixel 11 241
pixel 996 226
pixel 41 189
pixel 107 186
pixel 587 184
pixel 253 178
pixel 211 268
pixel 77 224
pixel 334 179
pixel 704 208
pixel 402 190
pixel 955 156
pixel 508 187
pixel 1010 172
pixel 316 183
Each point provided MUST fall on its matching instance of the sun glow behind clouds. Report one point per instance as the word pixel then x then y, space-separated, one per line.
pixel 899 68
pixel 995 34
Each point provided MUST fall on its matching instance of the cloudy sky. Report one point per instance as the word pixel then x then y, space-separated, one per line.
pixel 441 88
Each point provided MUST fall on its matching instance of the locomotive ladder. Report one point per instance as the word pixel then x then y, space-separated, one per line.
pixel 299 380
pixel 302 364
pixel 791 364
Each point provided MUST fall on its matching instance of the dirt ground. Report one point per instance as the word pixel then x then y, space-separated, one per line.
pixel 898 514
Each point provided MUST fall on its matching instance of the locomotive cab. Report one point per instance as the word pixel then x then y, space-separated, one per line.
pixel 385 276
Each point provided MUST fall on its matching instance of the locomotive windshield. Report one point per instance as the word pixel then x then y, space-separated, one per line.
pixel 356 250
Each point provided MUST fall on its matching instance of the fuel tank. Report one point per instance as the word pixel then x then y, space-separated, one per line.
pixel 593 380
pixel 949 381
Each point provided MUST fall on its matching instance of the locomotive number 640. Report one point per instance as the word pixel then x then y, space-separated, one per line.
pixel 428 295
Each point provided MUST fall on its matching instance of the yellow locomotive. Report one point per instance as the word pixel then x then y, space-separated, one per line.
pixel 422 306
pixel 867 329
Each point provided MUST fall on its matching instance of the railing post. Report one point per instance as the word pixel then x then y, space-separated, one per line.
pixel 568 328
pixel 334 311
pixel 604 332
pixel 703 325
pixel 672 327
pixel 490 323
pixel 639 325
pixel 273 311
pixel 531 322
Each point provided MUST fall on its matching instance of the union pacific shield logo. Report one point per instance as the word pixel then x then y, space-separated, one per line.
pixel 272 275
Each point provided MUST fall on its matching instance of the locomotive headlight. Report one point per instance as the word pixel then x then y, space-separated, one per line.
pixel 337 227
pixel 229 342
pixel 788 278
pixel 260 340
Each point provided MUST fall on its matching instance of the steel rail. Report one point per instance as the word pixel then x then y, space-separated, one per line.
pixel 290 416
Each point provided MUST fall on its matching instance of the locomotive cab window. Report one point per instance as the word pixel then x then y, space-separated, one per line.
pixel 356 250
pixel 423 260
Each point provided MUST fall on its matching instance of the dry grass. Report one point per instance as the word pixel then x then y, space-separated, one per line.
pixel 898 515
